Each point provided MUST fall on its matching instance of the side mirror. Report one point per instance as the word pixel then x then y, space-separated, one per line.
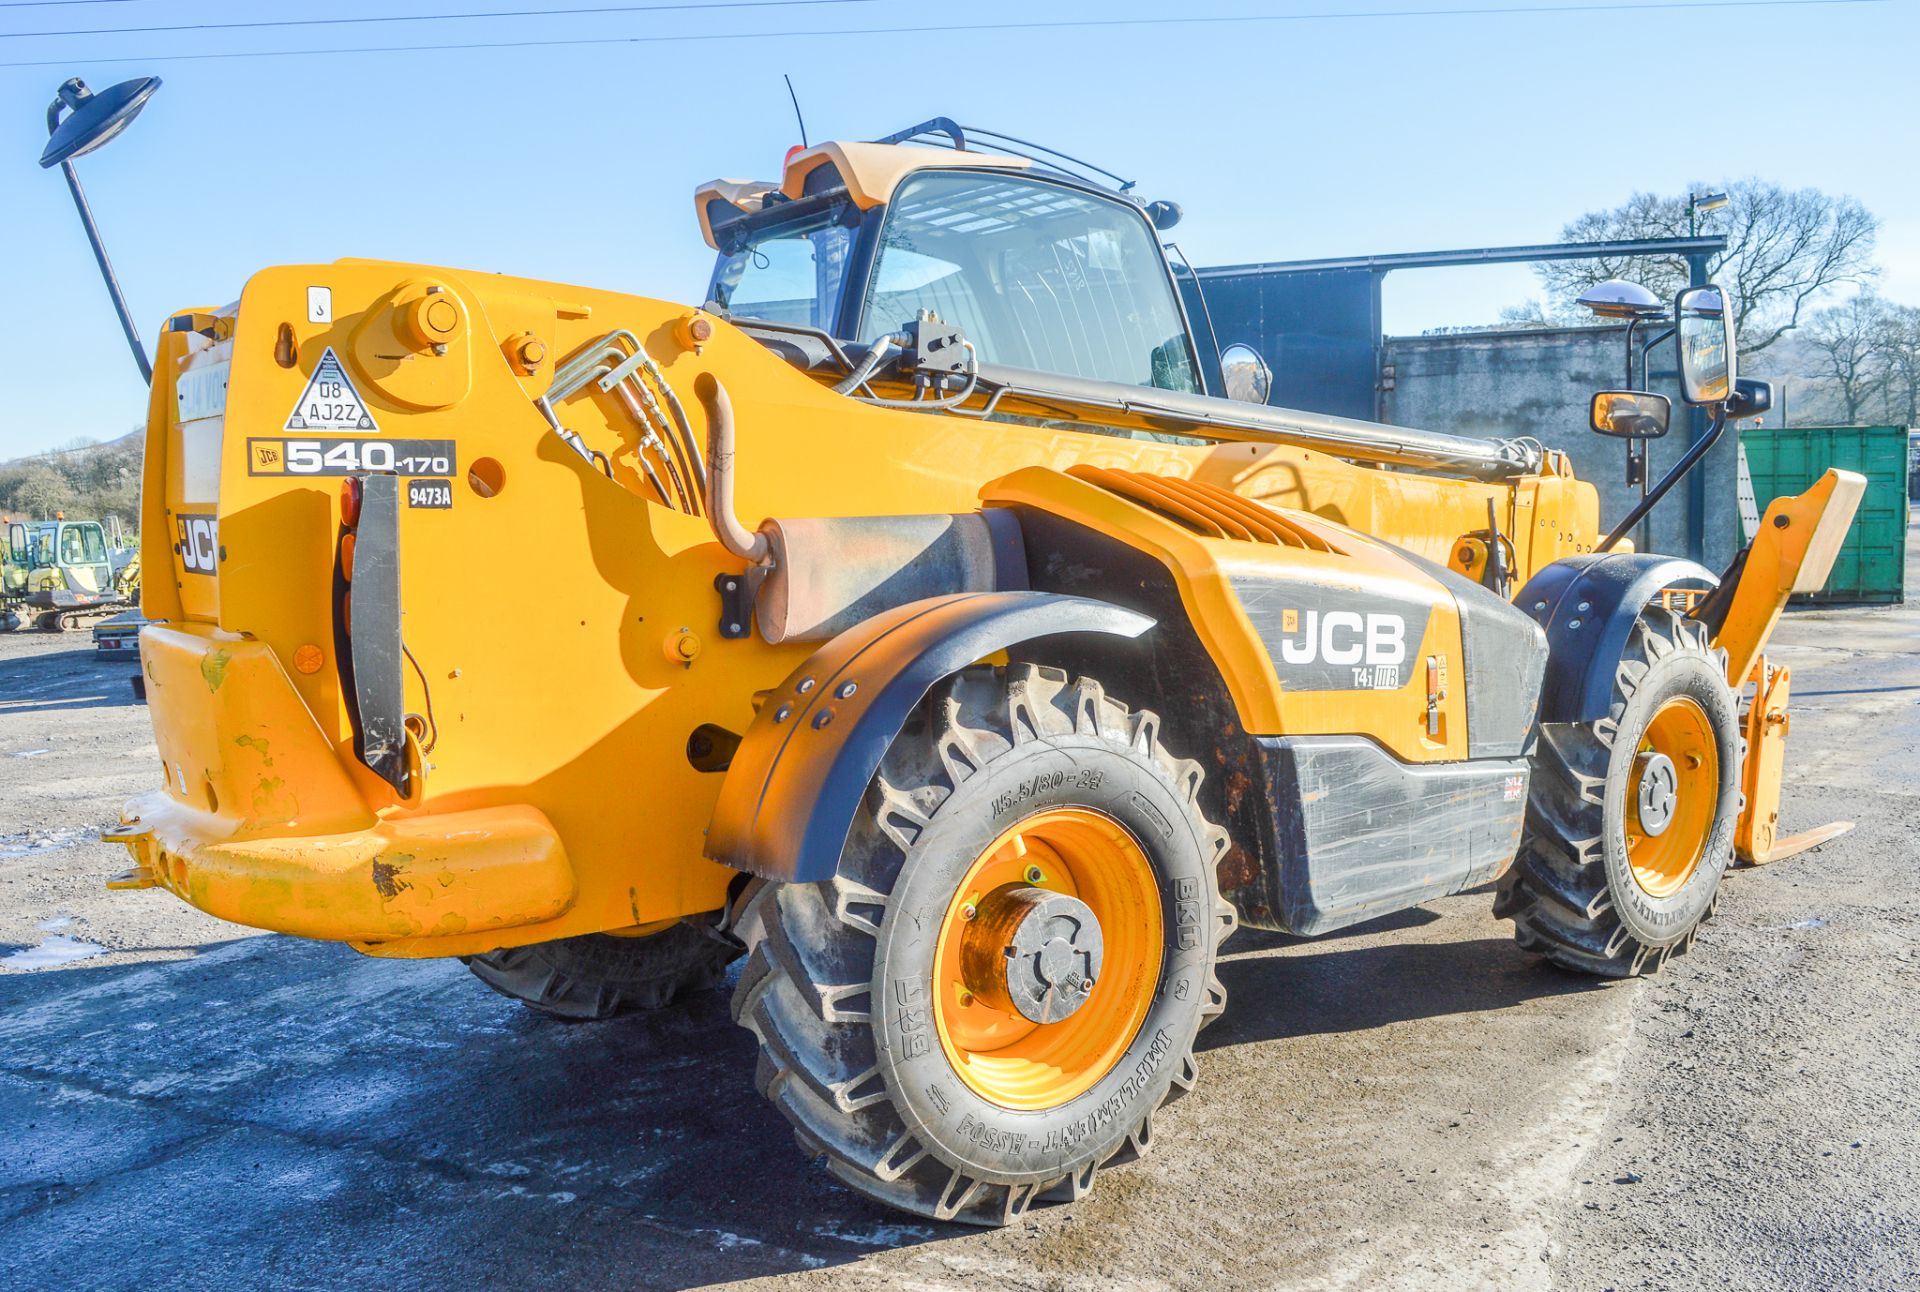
pixel 1631 414
pixel 1703 326
pixel 1247 377
pixel 1164 214
pixel 1750 399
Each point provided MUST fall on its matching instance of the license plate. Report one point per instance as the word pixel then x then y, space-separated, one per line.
pixel 201 392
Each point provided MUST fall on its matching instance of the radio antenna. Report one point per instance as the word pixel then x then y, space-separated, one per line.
pixel 796 108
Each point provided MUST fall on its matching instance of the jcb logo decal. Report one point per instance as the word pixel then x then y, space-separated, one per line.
pixel 1344 637
pixel 199 543
pixel 1323 637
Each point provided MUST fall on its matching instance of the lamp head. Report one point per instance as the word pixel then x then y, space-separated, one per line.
pixel 92 119
pixel 1619 299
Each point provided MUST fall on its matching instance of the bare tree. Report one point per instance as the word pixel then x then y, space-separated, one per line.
pixel 1898 345
pixel 37 492
pixel 1785 250
pixel 1846 340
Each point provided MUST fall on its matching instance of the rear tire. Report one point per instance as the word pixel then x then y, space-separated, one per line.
pixel 1592 889
pixel 598 975
pixel 883 1061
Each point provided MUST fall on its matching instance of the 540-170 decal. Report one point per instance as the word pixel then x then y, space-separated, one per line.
pixel 342 457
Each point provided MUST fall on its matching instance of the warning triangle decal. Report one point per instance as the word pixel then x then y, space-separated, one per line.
pixel 330 403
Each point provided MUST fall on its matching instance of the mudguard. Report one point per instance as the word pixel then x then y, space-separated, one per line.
pixel 1588 605
pixel 797 779
pixel 371 649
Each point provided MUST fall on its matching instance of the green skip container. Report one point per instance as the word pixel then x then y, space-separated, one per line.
pixel 1872 565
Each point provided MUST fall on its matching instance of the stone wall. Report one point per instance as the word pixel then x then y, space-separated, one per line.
pixel 1539 382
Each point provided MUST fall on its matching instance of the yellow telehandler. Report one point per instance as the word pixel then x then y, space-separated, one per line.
pixel 921 624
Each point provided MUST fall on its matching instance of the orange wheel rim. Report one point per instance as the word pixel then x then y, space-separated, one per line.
pixel 1002 1055
pixel 1672 797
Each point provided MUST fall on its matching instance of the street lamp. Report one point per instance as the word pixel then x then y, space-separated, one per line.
pixel 91 120
pixel 1618 298
pixel 1697 202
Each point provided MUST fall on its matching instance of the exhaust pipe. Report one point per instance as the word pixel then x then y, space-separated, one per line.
pixel 748 545
pixel 818 576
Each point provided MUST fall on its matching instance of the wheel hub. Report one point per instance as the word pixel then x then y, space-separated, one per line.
pixel 1048 959
pixel 1673 797
pixel 1033 951
pixel 1658 793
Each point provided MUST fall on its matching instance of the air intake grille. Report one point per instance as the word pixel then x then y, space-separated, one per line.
pixel 1207 510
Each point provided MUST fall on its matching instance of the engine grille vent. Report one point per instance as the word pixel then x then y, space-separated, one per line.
pixel 1207 510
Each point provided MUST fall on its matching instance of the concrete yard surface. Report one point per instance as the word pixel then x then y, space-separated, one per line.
pixel 1414 1104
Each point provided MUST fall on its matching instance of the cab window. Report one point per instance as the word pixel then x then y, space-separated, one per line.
pixel 788 274
pixel 82 545
pixel 1037 275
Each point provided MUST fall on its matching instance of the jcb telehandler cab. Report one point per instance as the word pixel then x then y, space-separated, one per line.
pixel 1046 666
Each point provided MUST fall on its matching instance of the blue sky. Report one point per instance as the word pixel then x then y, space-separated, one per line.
pixel 577 162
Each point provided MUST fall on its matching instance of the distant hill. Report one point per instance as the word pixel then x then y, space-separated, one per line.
pixel 87 482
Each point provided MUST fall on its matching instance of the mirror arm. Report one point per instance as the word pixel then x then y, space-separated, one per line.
pixel 1669 480
pixel 1646 353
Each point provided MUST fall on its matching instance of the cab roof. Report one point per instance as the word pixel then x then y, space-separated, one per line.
pixel 870 172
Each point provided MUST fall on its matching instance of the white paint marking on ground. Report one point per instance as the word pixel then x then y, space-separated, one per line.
pixel 13 846
pixel 54 951
pixel 28 1020
pixel 876 1235
pixel 67 699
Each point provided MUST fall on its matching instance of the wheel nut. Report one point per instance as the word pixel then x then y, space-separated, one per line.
pixel 966 998
pixel 969 911
pixel 1034 875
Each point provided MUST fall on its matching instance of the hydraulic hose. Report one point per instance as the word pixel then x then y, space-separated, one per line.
pixel 672 401
pixel 878 354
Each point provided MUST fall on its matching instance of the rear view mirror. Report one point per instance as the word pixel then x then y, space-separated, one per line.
pixel 1703 324
pixel 1246 375
pixel 1631 414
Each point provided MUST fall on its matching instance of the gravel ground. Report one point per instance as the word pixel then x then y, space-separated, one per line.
pixel 1414 1104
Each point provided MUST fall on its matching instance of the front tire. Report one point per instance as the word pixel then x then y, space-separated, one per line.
pixel 1630 818
pixel 937 1070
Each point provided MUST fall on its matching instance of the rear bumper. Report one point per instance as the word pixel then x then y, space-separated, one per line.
pixel 433 875
pixel 262 822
